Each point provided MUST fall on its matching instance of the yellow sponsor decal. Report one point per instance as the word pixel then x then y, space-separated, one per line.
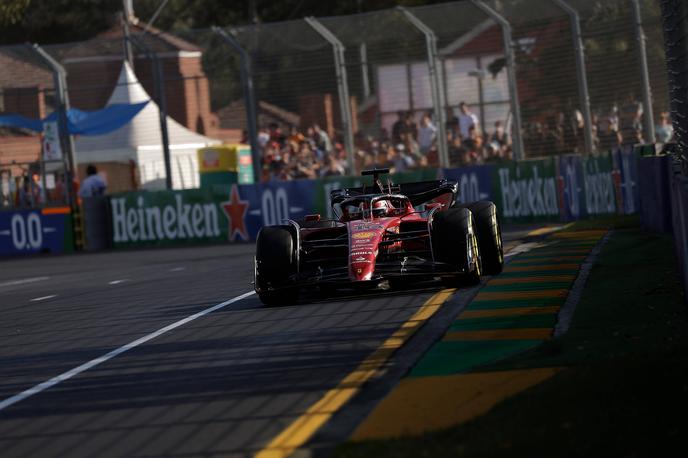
pixel 363 235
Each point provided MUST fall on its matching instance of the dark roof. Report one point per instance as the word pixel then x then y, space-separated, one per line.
pixel 22 67
pixel 233 116
pixel 110 43
pixel 155 38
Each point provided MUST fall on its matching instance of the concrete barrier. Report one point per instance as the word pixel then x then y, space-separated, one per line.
pixel 97 227
pixel 679 207
pixel 655 193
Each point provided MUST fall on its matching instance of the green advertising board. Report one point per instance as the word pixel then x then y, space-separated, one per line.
pixel 168 217
pixel 526 191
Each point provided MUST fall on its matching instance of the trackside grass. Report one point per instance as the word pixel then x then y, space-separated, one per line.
pixel 623 389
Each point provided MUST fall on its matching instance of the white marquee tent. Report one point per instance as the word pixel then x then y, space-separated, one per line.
pixel 140 140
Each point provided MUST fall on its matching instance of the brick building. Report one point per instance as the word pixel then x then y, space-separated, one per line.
pixel 25 88
pixel 93 67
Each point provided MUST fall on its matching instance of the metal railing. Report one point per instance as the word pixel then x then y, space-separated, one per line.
pixel 33 185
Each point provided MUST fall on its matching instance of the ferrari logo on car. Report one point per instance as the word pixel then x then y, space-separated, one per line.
pixel 364 235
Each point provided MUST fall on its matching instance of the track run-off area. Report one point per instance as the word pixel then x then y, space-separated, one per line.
pixel 169 353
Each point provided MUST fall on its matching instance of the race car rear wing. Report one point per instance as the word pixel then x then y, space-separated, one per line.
pixel 418 193
pixel 424 191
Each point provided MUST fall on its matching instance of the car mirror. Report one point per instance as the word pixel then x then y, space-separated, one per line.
pixel 432 205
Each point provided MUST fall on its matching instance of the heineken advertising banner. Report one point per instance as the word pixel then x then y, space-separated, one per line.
pixel 560 188
pixel 570 184
pixel 626 163
pixel 527 190
pixel 600 184
pixel 213 214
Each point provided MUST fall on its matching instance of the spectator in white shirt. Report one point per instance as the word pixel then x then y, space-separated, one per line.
pixel 93 185
pixel 466 120
pixel 426 134
pixel 263 138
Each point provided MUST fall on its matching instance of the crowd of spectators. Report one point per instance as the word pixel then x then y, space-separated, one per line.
pixel 411 144
pixel 563 132
pixel 295 154
pixel 29 189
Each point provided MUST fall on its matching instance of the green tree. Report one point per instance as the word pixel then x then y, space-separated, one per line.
pixel 11 11
pixel 60 21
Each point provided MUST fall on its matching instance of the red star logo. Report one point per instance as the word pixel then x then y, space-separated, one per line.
pixel 236 209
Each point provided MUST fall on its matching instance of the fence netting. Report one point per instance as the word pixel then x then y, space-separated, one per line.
pixel 397 115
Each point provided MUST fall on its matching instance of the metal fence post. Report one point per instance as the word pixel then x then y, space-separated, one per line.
pixel 583 93
pixel 342 86
pixel 162 105
pixel 648 118
pixel 517 131
pixel 365 78
pixel 126 45
pixel 66 140
pixel 249 99
pixel 436 83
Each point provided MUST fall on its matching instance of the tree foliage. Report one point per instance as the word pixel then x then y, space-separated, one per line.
pixel 56 21
pixel 60 21
pixel 11 11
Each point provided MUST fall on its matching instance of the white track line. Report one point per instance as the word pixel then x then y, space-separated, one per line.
pixel 42 298
pixel 23 281
pixel 118 351
pixel 522 248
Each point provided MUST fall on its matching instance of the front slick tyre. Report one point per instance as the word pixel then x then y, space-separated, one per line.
pixel 275 264
pixel 489 235
pixel 454 242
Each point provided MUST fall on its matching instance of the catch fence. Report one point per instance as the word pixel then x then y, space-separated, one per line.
pixel 380 88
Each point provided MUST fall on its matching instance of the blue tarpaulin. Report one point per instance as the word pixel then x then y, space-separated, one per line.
pixel 21 122
pixel 81 122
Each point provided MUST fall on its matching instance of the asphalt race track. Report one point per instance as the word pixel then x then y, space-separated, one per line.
pixel 223 383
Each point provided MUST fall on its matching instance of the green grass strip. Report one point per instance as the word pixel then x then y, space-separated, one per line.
pixel 537 273
pixel 548 261
pixel 478 304
pixel 529 286
pixel 446 358
pixel 540 320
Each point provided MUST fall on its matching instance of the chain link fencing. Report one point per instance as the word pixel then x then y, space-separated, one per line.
pixel 399 88
pixel 675 20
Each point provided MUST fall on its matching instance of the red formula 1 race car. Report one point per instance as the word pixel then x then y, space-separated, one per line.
pixel 381 233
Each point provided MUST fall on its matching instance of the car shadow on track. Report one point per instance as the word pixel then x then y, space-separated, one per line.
pixel 318 296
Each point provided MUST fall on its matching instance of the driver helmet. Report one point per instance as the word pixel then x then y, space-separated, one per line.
pixel 382 207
